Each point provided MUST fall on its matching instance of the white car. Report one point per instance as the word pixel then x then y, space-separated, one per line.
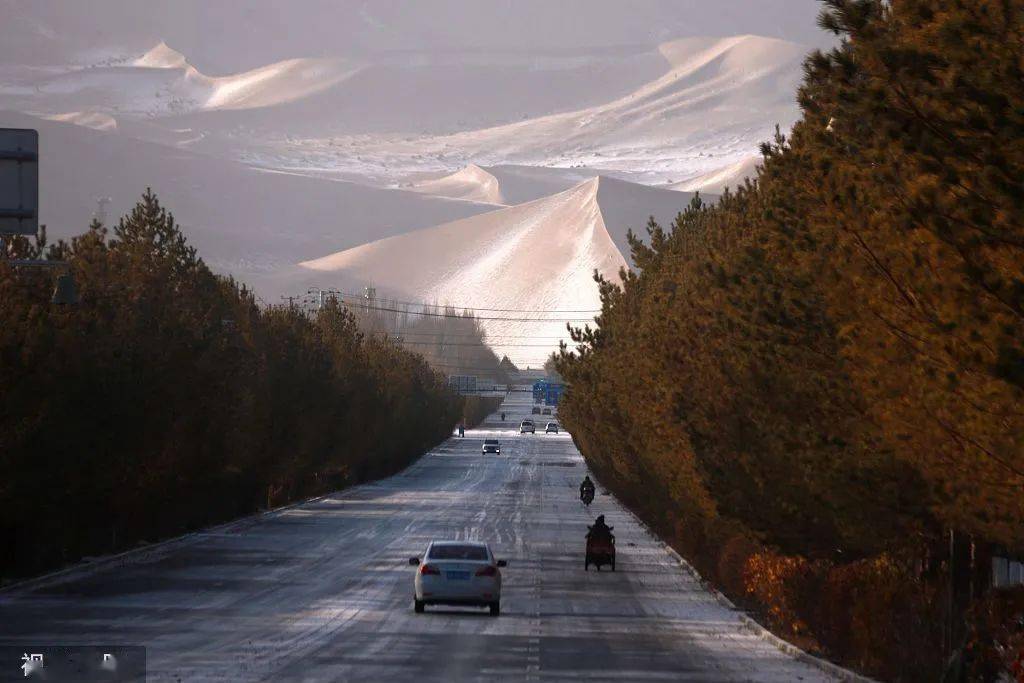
pixel 551 428
pixel 457 573
pixel 527 427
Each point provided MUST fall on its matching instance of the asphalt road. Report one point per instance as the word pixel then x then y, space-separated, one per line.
pixel 323 592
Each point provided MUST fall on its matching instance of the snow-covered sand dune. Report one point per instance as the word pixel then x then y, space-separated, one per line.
pixel 659 114
pixel 225 37
pixel 162 82
pixel 244 221
pixel 472 183
pixel 506 184
pixel 717 101
pixel 498 147
pixel 89 119
pixel 540 255
pixel 715 182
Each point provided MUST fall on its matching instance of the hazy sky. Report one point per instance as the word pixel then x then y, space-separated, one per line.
pixel 226 35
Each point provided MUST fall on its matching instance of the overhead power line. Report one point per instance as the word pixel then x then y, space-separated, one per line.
pixel 488 337
pixel 466 368
pixel 349 295
pixel 364 307
pixel 475 344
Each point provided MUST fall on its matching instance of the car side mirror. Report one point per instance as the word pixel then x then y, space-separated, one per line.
pixel 414 561
pixel 502 563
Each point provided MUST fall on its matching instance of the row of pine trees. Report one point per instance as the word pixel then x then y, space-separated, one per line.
pixel 452 341
pixel 816 386
pixel 167 399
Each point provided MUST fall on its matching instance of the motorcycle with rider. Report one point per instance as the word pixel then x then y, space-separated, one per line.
pixel 587 490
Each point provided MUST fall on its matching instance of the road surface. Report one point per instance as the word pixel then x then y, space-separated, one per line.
pixel 323 591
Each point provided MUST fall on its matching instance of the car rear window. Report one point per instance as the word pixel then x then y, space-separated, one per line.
pixel 458 552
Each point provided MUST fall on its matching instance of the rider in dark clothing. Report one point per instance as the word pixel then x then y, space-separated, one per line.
pixel 600 529
pixel 587 485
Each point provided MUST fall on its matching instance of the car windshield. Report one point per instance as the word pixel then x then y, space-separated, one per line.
pixel 458 552
pixel 527 422
pixel 490 442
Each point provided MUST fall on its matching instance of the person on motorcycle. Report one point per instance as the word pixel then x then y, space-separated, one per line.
pixel 600 529
pixel 587 485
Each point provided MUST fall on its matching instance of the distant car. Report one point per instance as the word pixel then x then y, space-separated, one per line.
pixel 491 446
pixel 547 411
pixel 527 427
pixel 457 573
pixel 536 410
pixel 551 428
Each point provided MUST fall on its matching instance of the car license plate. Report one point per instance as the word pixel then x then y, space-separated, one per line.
pixel 457 576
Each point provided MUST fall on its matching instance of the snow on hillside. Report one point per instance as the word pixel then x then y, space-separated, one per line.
pixel 718 100
pixel 162 57
pixel 657 114
pixel 715 182
pixel 508 183
pixel 294 153
pixel 89 119
pixel 525 183
pixel 540 255
pixel 226 37
pixel 472 183
pixel 245 221
pixel 162 82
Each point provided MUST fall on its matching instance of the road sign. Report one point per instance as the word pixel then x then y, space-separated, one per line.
pixel 19 181
pixel 464 384
pixel 552 394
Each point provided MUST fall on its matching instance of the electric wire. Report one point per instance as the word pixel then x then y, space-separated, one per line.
pixel 348 295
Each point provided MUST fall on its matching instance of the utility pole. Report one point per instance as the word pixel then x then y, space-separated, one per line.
pixel 320 294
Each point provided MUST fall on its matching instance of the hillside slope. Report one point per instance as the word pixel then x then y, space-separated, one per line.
pixel 540 255
pixel 162 82
pixel 717 101
pixel 243 220
pixel 714 182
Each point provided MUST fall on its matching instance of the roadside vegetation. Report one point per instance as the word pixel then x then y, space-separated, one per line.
pixel 476 409
pixel 452 341
pixel 815 388
pixel 167 399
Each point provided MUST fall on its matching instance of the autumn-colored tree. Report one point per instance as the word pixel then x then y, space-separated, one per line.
pixel 167 399
pixel 828 363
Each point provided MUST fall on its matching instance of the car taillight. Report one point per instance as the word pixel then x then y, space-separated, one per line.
pixel 427 569
pixel 487 571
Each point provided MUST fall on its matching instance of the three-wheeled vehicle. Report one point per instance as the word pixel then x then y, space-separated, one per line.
pixel 600 551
